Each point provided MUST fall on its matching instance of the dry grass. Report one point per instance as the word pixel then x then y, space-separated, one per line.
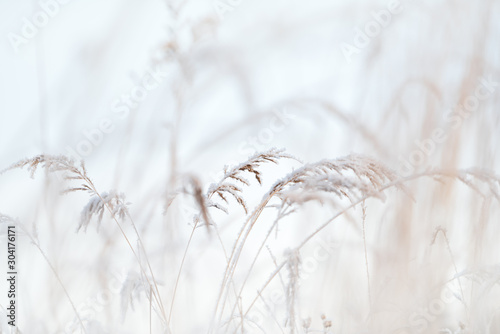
pixel 355 178
pixel 331 241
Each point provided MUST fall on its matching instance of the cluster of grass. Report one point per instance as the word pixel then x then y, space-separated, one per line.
pixel 280 243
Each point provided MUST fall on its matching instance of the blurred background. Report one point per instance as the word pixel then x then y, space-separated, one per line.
pixel 151 92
